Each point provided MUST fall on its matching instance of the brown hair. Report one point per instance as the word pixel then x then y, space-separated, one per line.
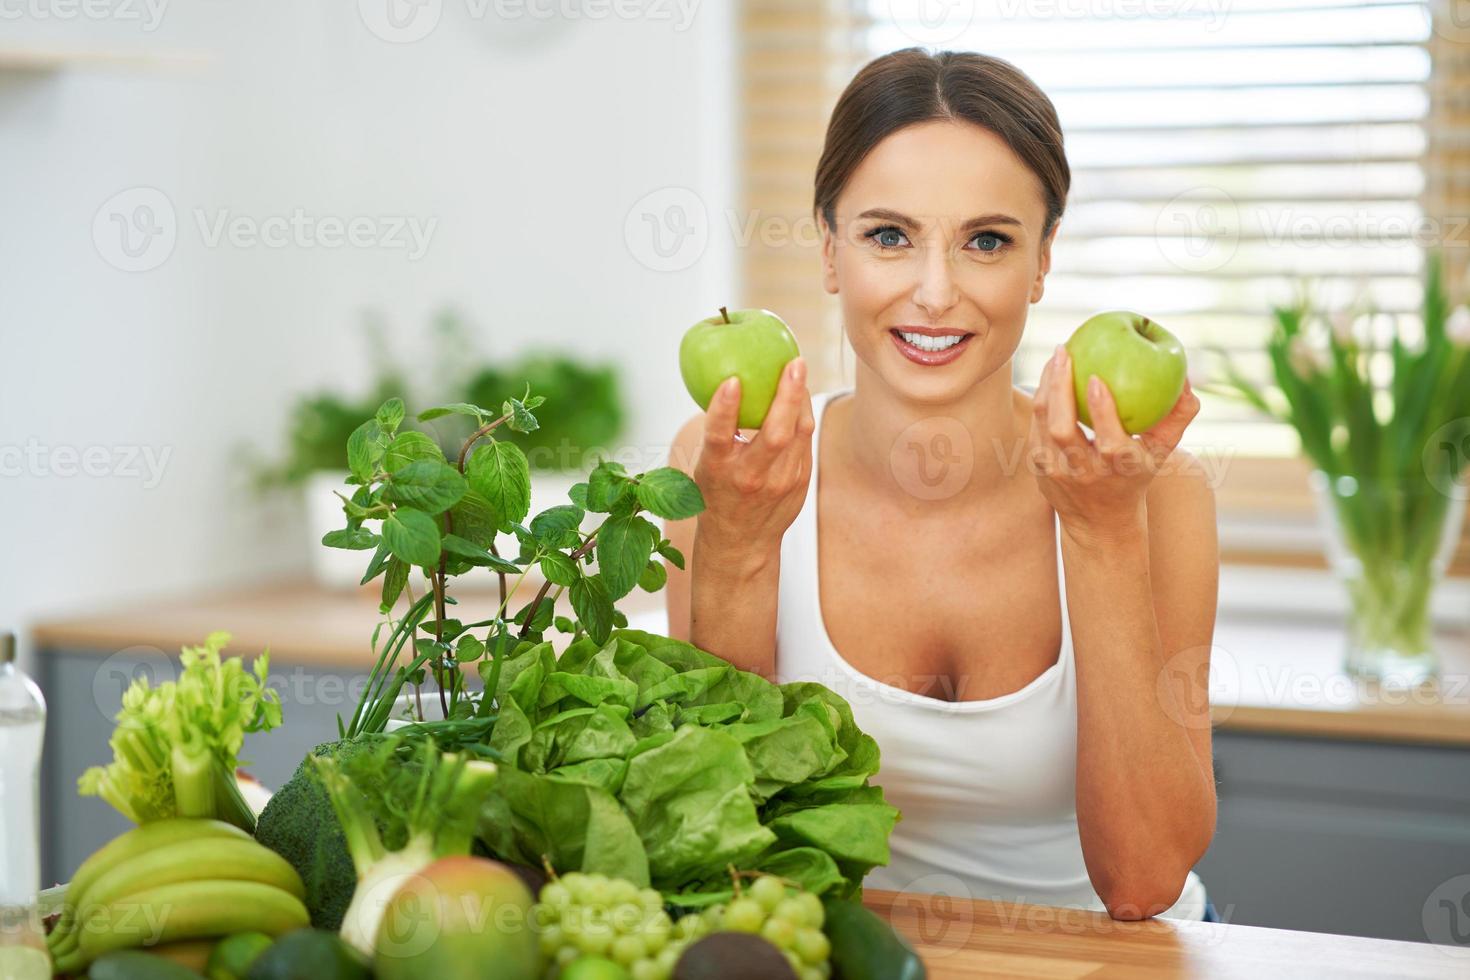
pixel 913 85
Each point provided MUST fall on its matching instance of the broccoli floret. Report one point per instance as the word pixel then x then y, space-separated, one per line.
pixel 366 809
pixel 299 824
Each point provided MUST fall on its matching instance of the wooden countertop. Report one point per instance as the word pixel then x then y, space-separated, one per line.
pixel 1269 674
pixel 959 939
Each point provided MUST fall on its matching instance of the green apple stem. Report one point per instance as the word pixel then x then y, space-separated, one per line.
pixel 723 315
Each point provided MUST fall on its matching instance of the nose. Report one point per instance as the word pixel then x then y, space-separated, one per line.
pixel 936 293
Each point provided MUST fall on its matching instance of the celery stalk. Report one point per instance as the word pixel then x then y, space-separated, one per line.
pixel 193 772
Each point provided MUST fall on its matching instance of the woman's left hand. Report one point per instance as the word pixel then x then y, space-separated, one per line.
pixel 1097 486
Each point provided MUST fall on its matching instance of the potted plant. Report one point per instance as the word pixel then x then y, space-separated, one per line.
pixel 315 464
pixel 1386 425
pixel 583 417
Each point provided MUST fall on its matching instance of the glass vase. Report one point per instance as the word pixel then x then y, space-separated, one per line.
pixel 1388 542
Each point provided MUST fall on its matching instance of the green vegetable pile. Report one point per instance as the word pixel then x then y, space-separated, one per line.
pixel 631 755
pixel 648 759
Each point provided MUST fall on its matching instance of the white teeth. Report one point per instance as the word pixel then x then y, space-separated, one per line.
pixel 924 342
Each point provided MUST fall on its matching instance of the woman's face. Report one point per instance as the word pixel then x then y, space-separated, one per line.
pixel 906 253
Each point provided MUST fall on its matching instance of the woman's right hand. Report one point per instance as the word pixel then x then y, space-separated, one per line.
pixel 754 490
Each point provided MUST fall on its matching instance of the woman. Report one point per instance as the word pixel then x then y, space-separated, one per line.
pixel 1006 601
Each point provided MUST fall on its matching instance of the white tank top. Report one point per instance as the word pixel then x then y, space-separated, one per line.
pixel 986 788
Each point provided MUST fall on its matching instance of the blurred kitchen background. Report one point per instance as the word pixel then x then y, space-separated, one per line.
pixel 230 228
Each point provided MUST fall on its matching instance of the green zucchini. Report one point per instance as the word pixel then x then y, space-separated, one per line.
pixel 864 947
pixel 134 964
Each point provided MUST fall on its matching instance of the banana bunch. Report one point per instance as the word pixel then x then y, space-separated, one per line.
pixel 171 880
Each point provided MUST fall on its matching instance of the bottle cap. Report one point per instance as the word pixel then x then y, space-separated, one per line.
pixel 7 648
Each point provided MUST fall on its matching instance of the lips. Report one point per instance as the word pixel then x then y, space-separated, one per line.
pixel 931 358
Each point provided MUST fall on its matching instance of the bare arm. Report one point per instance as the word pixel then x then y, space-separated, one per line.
pixel 1141 560
pixel 1142 606
pixel 725 600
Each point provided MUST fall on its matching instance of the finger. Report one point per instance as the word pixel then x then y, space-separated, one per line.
pixel 1038 398
pixel 1161 439
pixel 720 420
pixel 1061 402
pixel 779 428
pixel 1112 438
pixel 807 424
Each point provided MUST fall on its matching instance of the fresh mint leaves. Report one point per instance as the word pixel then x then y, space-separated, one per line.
pixel 413 508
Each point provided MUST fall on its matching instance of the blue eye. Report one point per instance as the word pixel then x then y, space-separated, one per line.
pixel 877 235
pixel 1001 241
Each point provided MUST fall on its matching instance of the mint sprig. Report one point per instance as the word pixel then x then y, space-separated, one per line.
pixel 415 509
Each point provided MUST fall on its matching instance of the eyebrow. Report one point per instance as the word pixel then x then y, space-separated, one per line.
pixel 887 214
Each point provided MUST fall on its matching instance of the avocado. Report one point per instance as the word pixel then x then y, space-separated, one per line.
pixel 308 954
pixel 733 956
pixel 531 876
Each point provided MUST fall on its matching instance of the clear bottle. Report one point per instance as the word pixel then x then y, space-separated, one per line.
pixel 22 724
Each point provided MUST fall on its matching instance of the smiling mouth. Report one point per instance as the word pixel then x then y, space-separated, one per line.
pixel 930 344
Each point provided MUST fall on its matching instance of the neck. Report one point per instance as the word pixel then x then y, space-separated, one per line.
pixel 937 455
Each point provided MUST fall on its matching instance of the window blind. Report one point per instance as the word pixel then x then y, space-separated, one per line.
pixel 1217 157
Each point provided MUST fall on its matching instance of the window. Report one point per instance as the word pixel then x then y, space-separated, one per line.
pixel 1219 152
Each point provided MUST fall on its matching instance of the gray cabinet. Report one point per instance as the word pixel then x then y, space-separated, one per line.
pixel 1339 836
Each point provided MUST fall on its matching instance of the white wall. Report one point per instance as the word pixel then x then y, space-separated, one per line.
pixel 527 145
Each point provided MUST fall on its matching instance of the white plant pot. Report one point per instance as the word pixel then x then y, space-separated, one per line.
pixel 333 568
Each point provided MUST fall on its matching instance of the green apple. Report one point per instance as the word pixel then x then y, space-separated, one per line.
pixel 754 345
pixel 1142 364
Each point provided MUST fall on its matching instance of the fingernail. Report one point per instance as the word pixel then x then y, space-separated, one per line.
pixel 727 390
pixel 798 370
pixel 1058 355
pixel 1094 387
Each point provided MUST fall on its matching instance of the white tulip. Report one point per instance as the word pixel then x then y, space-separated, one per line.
pixel 1457 327
pixel 1305 358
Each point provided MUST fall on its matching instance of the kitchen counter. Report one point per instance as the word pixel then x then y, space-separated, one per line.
pixel 959 939
pixel 1271 673
pixel 1342 809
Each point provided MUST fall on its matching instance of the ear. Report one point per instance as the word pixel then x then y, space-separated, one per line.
pixel 1039 286
pixel 829 258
